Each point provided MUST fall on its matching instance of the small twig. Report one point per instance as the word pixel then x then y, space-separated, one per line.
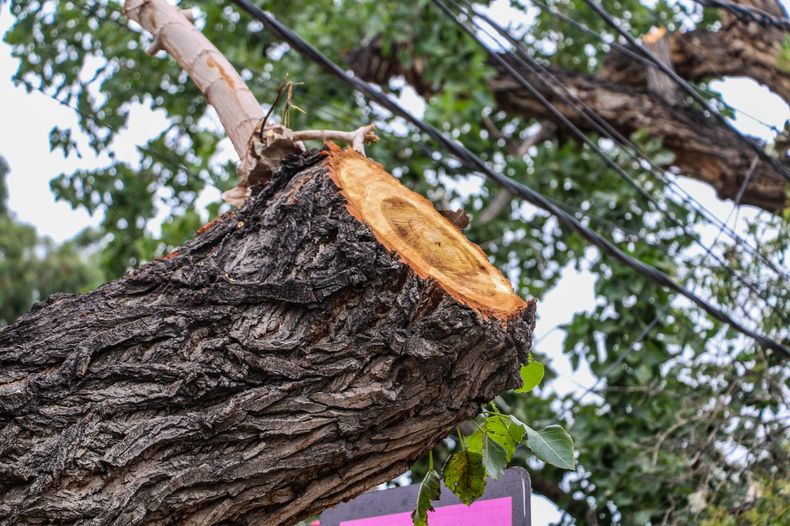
pixel 357 138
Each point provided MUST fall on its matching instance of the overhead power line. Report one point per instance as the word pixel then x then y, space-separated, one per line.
pixel 599 124
pixel 473 161
pixel 749 13
pixel 684 85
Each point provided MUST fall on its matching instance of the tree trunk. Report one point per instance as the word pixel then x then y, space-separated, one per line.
pixel 282 361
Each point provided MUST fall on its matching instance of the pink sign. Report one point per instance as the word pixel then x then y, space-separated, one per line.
pixel 492 512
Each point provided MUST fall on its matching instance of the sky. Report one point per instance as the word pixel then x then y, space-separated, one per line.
pixel 27 118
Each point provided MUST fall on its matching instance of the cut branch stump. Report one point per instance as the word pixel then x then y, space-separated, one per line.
pixel 297 352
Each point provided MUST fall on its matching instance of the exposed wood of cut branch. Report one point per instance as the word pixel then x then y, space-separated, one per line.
pixel 658 82
pixel 282 361
pixel 219 82
pixel 434 247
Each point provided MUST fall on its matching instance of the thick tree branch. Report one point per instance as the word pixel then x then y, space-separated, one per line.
pixel 282 361
pixel 703 149
pixel 737 49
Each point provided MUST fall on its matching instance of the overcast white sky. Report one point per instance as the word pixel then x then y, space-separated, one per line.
pixel 26 119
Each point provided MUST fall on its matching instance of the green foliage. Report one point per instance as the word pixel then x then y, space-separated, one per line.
pixel 430 490
pixel 552 445
pixel 465 475
pixel 32 268
pixel 487 452
pixel 768 505
pixel 495 457
pixel 531 376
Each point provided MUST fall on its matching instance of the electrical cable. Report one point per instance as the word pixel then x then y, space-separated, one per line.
pixel 471 160
pixel 602 126
pixel 748 13
pixel 684 85
pixel 662 312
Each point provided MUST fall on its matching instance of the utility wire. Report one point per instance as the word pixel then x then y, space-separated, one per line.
pixel 472 161
pixel 684 85
pixel 602 126
pixel 749 13
pixel 686 197
pixel 662 313
pixel 535 93
pixel 638 58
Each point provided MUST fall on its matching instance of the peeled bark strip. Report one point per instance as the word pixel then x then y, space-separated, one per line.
pixel 280 362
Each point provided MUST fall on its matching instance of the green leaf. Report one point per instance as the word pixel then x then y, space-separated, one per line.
pixel 505 430
pixel 466 476
pixel 531 375
pixel 430 490
pixel 552 445
pixel 474 442
pixel 495 458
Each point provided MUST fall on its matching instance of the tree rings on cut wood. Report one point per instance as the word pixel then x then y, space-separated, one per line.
pixel 408 224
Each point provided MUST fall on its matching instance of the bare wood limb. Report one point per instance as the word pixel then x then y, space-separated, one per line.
pixel 260 146
pixel 211 72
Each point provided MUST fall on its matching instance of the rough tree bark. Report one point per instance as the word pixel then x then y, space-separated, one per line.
pixel 297 352
pixel 704 149
pixel 280 362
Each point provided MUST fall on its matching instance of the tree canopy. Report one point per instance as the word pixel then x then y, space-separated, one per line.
pixel 688 419
pixel 33 267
